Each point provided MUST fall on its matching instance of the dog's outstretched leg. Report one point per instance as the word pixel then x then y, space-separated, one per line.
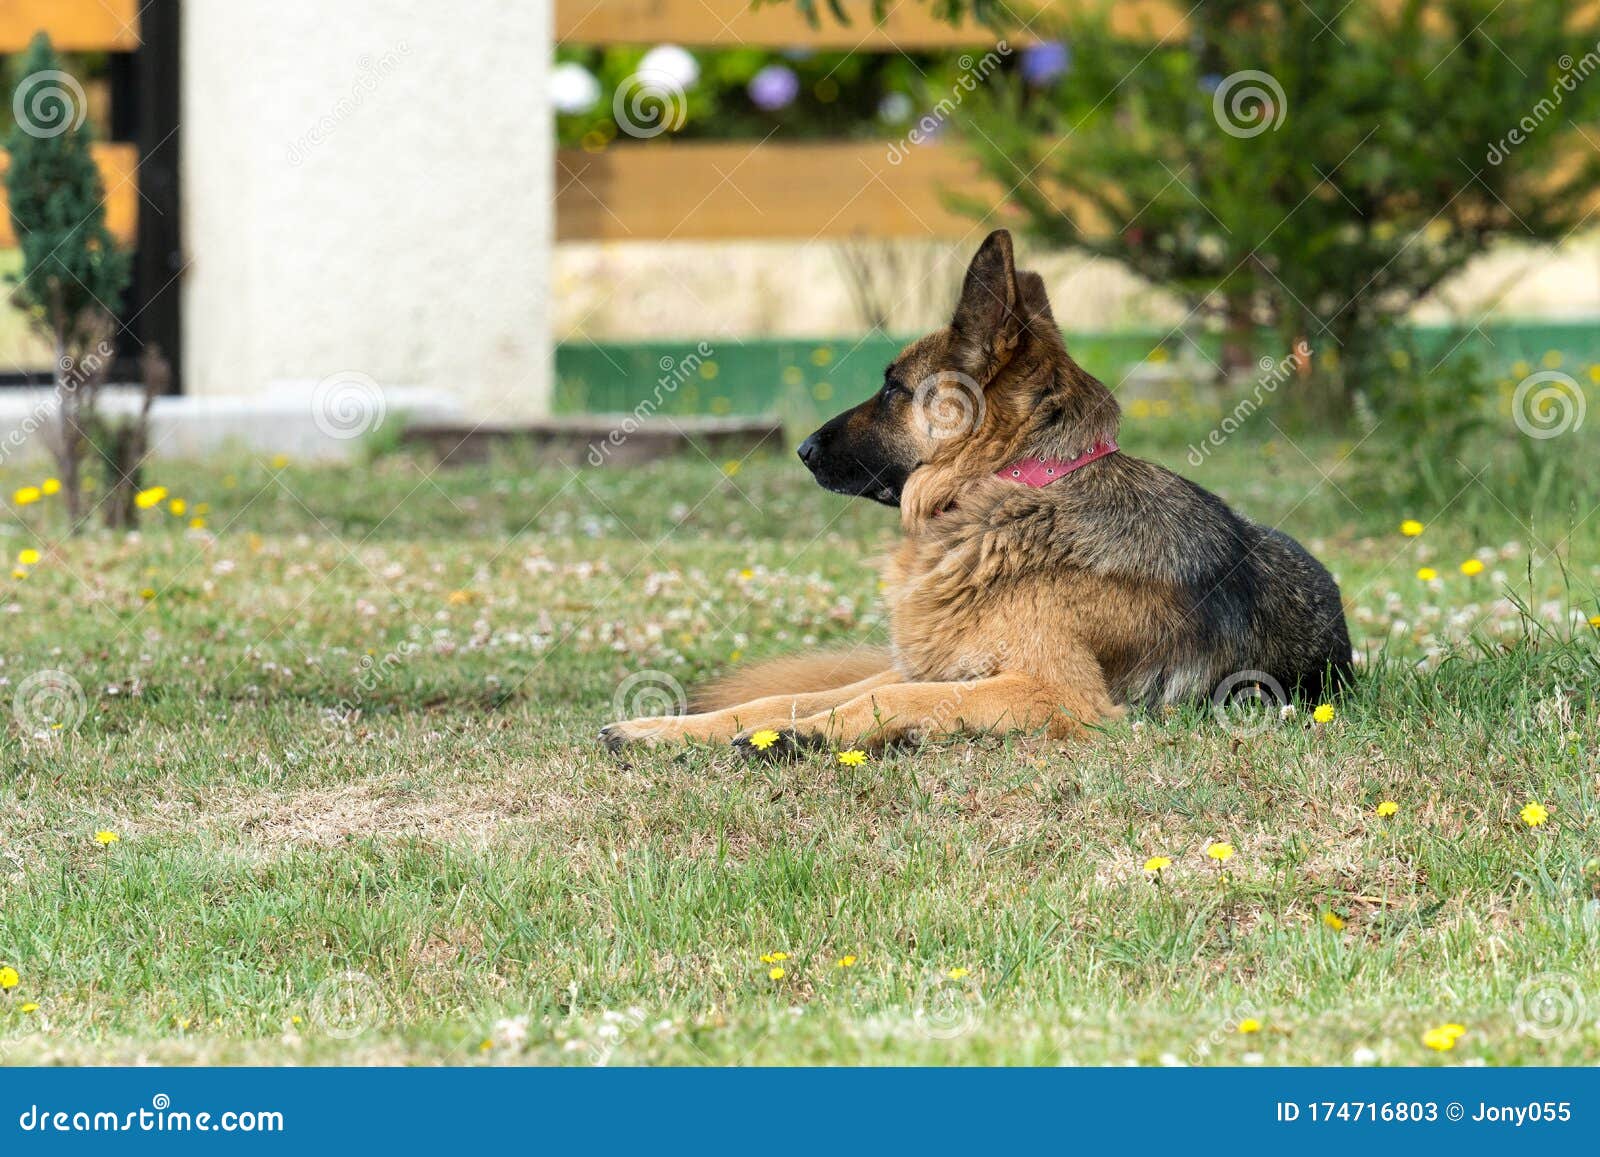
pixel 774 711
pixel 911 710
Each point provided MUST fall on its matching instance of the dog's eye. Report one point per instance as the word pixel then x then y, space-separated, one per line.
pixel 890 389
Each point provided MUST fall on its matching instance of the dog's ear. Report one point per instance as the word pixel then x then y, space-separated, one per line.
pixel 988 320
pixel 1035 301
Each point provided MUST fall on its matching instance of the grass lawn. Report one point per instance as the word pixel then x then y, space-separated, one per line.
pixel 344 739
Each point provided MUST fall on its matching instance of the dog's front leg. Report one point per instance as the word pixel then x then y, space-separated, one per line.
pixel 773 712
pixel 1010 700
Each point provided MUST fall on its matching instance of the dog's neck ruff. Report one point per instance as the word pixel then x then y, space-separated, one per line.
pixel 1043 471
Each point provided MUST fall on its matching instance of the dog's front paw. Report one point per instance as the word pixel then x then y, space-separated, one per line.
pixel 778 746
pixel 646 732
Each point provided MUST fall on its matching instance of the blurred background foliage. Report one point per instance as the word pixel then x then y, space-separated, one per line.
pixel 1317 166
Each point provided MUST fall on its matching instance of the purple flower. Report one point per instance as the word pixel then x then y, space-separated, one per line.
pixel 1043 62
pixel 774 87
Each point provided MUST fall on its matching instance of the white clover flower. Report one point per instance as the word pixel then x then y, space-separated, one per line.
pixel 510 1032
pixel 573 88
pixel 675 62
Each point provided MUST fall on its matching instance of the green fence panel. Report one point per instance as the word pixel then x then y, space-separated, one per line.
pixel 802 379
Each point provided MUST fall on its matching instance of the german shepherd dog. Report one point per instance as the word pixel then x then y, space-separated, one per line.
pixel 1045 578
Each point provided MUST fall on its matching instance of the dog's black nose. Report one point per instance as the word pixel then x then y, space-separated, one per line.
pixel 808 449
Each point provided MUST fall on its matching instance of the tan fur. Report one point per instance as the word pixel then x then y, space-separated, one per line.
pixel 791 674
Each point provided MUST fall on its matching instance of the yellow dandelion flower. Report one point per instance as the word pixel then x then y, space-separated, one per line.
pixel 279 461
pixel 9 977
pixel 1324 713
pixel 1220 852
pixel 855 757
pixel 1534 814
pixel 50 486
pixel 1249 1024
pixel 1472 566
pixel 1427 574
pixel 773 957
pixel 147 593
pixel 178 506
pixel 1157 863
pixel 106 838
pixel 1388 808
pixel 1333 920
pixel 845 962
pixel 154 496
pixel 1551 360
pixel 197 524
pixel 763 739
pixel 776 974
pixel 746 575
pixel 27 496
pixel 30 1007
pixel 958 974
pixel 1443 1038
pixel 1594 621
pixel 18 573
pixel 1411 528
pixel 28 556
pixel 731 467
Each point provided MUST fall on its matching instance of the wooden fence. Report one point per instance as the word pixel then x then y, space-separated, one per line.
pixel 682 190
pixel 140 161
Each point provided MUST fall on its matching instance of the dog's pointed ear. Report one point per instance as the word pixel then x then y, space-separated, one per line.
pixel 988 318
pixel 1035 302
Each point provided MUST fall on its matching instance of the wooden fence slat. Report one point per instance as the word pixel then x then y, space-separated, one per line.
pixel 727 22
pixel 73 25
pixel 118 163
pixel 907 25
pixel 711 191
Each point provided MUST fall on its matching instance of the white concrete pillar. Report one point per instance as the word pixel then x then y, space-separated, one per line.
pixel 367 192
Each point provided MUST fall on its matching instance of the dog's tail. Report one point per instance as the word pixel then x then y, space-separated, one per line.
pixel 791 675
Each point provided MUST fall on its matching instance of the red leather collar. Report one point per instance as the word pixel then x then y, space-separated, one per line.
pixel 1037 472
pixel 1043 471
